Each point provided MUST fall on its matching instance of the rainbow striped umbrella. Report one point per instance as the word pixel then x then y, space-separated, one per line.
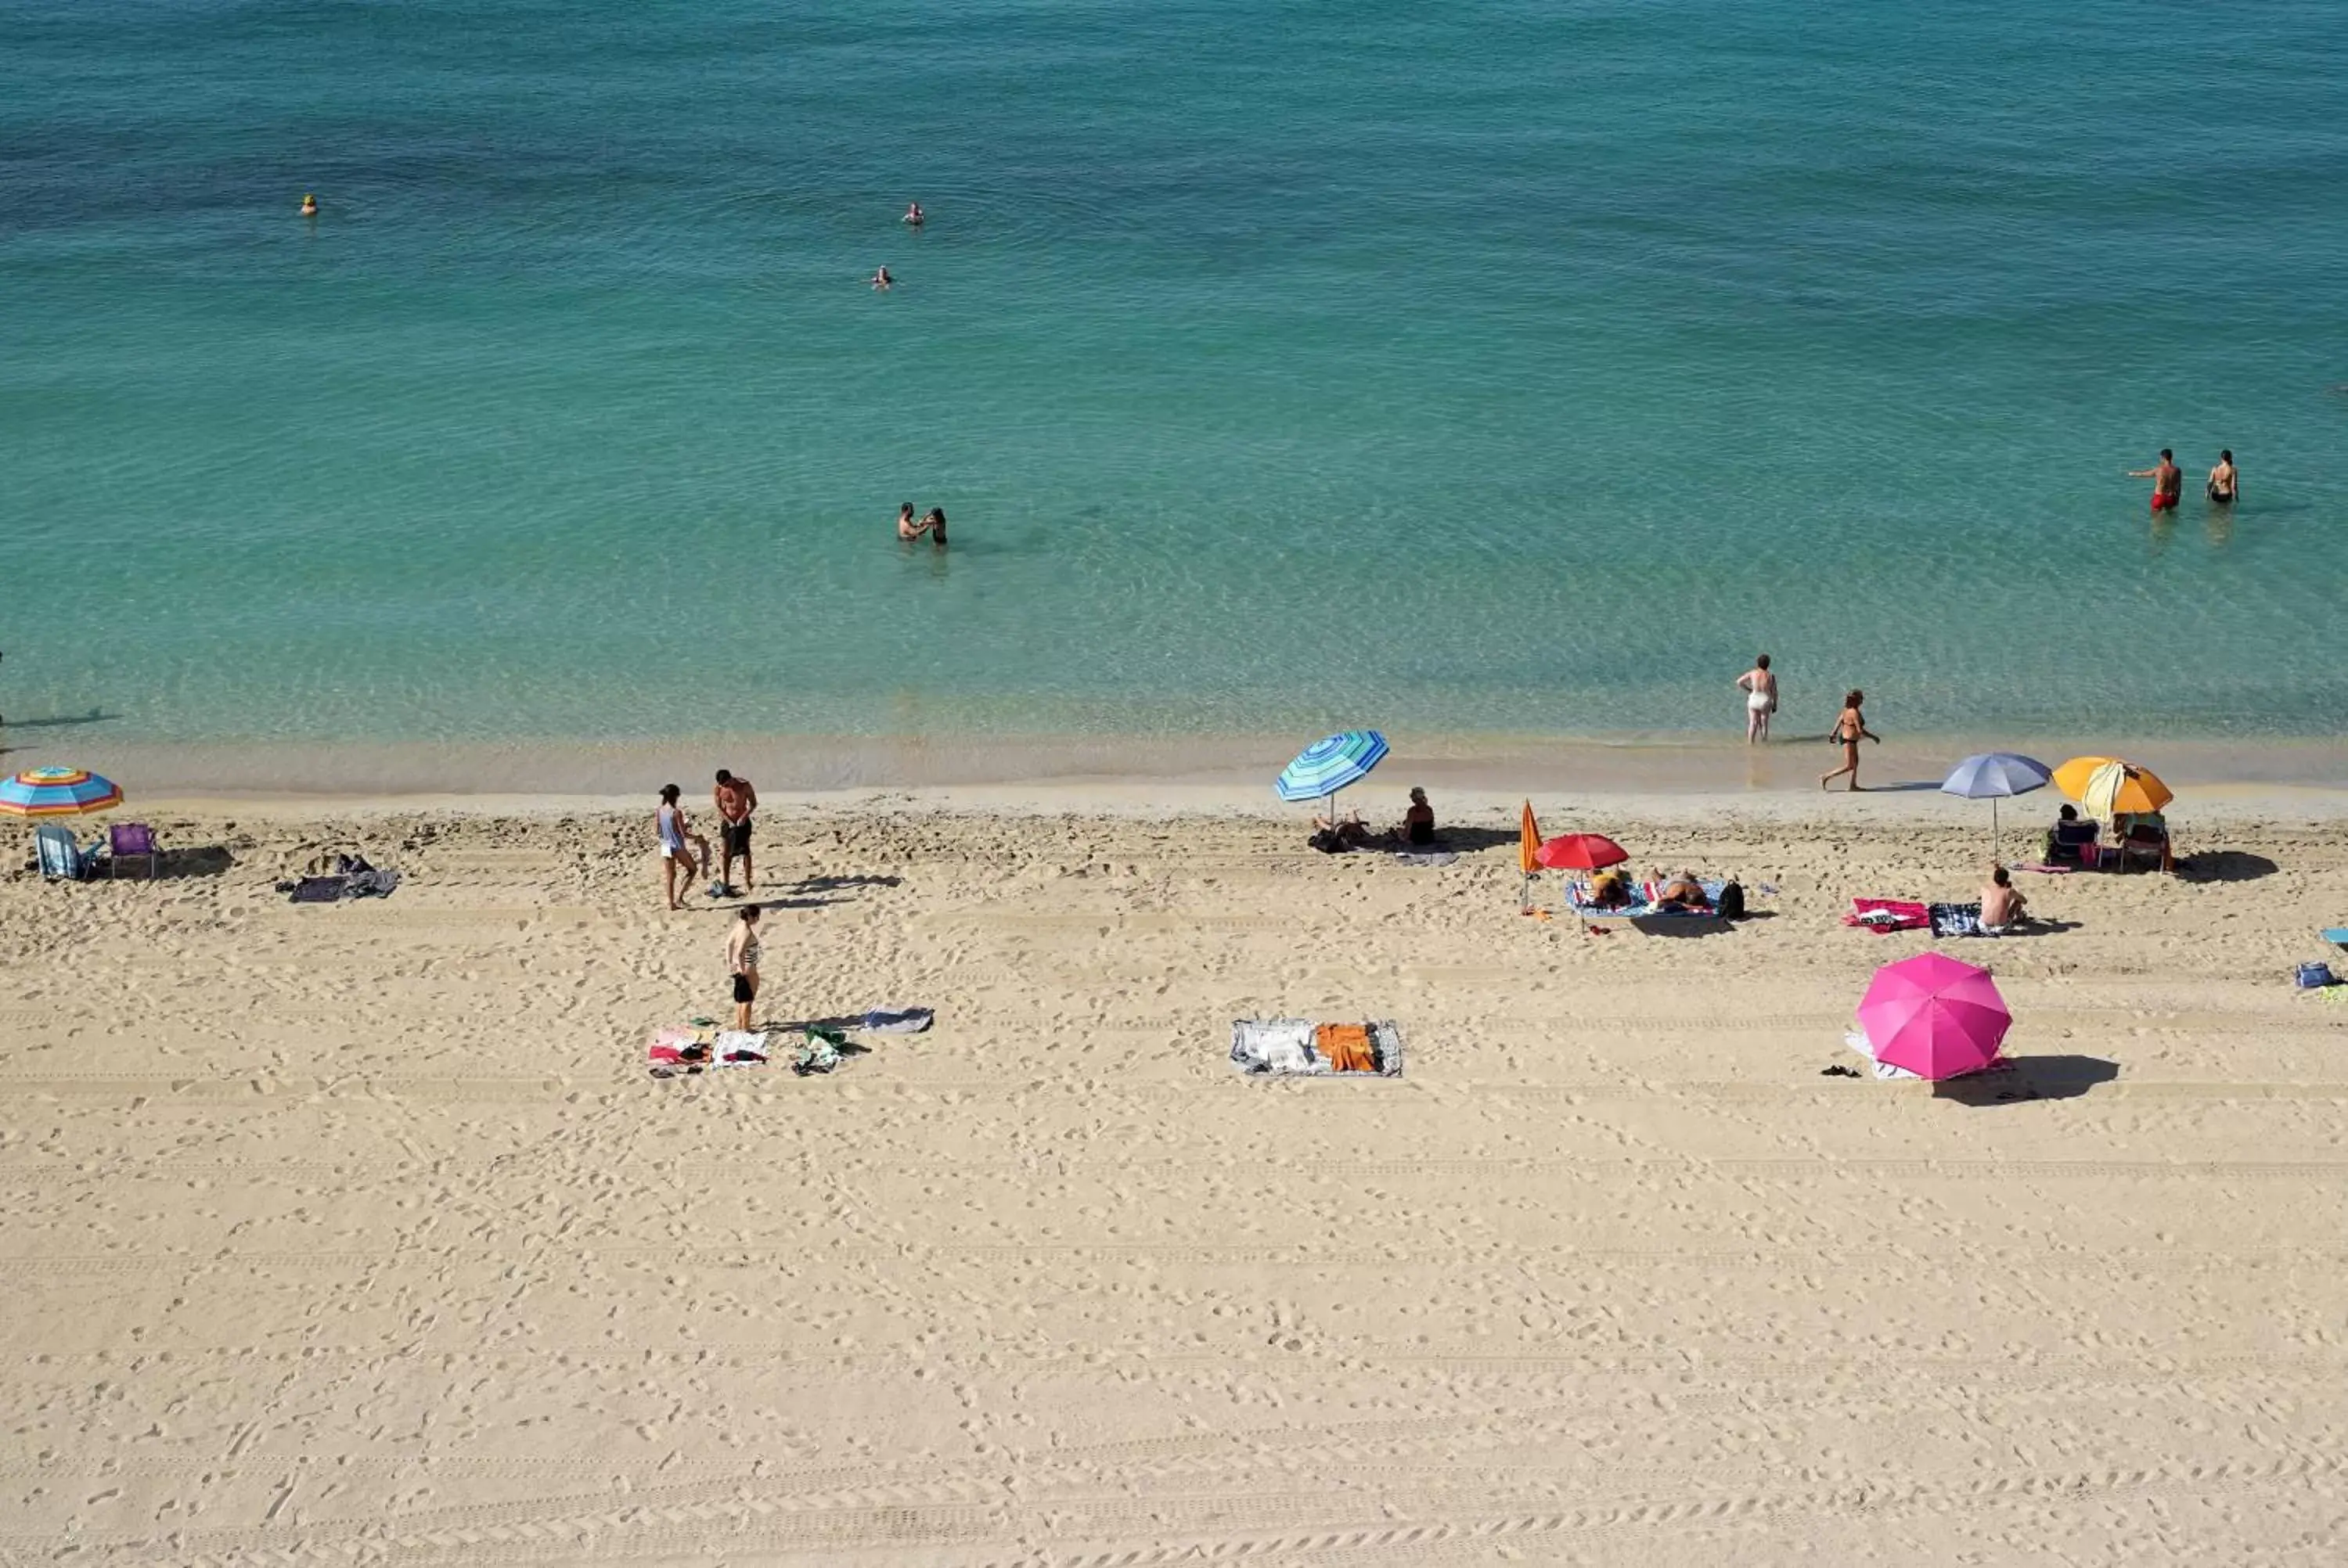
pixel 58 792
pixel 1324 767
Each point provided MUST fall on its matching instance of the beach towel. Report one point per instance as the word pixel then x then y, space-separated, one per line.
pixel 1958 921
pixel 319 889
pixel 1889 915
pixel 1426 856
pixel 820 1051
pixel 1644 905
pixel 898 1020
pixel 1859 1043
pixel 1292 1048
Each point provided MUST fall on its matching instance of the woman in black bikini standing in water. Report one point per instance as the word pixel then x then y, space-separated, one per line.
pixel 1851 728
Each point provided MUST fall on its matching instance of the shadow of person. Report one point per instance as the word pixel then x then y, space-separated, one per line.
pixel 2224 866
pixel 2032 1078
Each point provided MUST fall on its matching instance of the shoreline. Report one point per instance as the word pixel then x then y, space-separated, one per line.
pixel 1221 774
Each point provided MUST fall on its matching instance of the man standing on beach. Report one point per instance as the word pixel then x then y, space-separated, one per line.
pixel 735 799
pixel 2168 481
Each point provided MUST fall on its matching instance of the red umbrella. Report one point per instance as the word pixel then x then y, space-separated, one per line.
pixel 1581 852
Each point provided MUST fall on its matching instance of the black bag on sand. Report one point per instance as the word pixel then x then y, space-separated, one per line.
pixel 1327 842
pixel 1732 902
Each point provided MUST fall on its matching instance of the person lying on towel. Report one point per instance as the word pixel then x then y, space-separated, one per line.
pixel 1682 893
pixel 1611 890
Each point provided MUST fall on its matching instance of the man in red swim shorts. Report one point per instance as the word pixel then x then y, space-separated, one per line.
pixel 2168 481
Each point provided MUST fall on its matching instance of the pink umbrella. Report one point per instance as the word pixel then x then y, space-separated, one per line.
pixel 1934 1016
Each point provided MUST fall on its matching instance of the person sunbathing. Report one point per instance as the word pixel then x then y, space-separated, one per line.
pixel 2002 905
pixel 1348 829
pixel 1682 892
pixel 1611 890
pixel 2071 835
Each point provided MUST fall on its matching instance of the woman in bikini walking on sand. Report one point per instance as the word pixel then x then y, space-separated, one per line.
pixel 1851 728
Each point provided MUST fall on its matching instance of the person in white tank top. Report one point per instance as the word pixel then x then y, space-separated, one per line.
pixel 1760 689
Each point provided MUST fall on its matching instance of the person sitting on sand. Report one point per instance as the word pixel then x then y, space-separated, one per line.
pixel 907 528
pixel 2002 905
pixel 1418 822
pixel 936 524
pixel 1611 890
pixel 1682 892
pixel 881 281
pixel 676 836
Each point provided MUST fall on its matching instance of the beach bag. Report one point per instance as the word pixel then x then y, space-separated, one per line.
pixel 1731 906
pixel 1326 841
pixel 2315 976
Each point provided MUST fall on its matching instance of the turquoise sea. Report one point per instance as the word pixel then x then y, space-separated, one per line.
pixel 1483 366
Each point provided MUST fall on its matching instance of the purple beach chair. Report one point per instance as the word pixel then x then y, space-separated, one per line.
pixel 133 850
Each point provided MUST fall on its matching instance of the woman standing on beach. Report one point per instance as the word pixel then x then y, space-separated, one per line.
pixel 1851 728
pixel 677 837
pixel 1760 689
pixel 742 959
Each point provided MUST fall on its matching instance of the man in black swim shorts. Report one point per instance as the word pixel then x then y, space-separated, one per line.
pixel 735 799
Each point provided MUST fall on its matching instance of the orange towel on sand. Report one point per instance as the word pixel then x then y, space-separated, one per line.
pixel 1346 1047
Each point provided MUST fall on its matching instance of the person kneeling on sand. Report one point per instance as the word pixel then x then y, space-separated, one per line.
pixel 2002 905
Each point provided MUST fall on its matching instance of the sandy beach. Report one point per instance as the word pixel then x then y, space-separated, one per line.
pixel 359 1233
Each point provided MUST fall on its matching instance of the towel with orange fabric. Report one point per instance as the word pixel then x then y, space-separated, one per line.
pixel 1345 1047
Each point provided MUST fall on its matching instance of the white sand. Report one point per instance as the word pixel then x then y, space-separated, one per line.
pixel 359 1234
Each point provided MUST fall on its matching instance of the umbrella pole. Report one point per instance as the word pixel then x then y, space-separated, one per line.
pixel 1992 831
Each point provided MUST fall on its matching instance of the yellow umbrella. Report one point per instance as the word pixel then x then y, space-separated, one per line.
pixel 2105 785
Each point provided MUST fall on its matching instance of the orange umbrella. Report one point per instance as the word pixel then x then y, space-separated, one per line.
pixel 1529 848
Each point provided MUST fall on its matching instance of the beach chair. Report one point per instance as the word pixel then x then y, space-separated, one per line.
pixel 2073 843
pixel 61 858
pixel 132 850
pixel 2147 848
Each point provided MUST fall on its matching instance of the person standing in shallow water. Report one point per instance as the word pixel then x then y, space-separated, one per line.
pixel 2168 481
pixel 1851 728
pixel 1760 689
pixel 935 524
pixel 2225 483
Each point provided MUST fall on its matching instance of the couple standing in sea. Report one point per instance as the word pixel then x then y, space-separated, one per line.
pixel 2224 486
pixel 1759 685
pixel 933 525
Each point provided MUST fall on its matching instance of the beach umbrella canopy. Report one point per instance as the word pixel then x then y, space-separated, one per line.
pixel 1581 852
pixel 2107 784
pixel 58 792
pixel 1529 841
pixel 1994 776
pixel 1934 1016
pixel 1324 767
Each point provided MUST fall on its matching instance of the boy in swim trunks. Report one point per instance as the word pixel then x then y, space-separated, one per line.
pixel 2168 481
pixel 734 801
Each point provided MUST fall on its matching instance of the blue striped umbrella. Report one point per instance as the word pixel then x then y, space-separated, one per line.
pixel 1324 767
pixel 58 792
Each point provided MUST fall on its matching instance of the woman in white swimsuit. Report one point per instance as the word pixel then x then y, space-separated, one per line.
pixel 677 837
pixel 742 960
pixel 1760 689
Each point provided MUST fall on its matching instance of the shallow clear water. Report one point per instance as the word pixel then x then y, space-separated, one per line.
pixel 1517 366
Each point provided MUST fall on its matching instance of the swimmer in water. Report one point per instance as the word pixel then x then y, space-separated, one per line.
pixel 881 281
pixel 2224 483
pixel 309 205
pixel 913 215
pixel 907 528
pixel 2168 481
pixel 936 524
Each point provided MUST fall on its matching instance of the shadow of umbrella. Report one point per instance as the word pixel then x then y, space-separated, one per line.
pixel 2032 1078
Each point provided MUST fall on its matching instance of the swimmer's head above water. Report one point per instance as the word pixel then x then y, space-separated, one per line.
pixel 309 205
